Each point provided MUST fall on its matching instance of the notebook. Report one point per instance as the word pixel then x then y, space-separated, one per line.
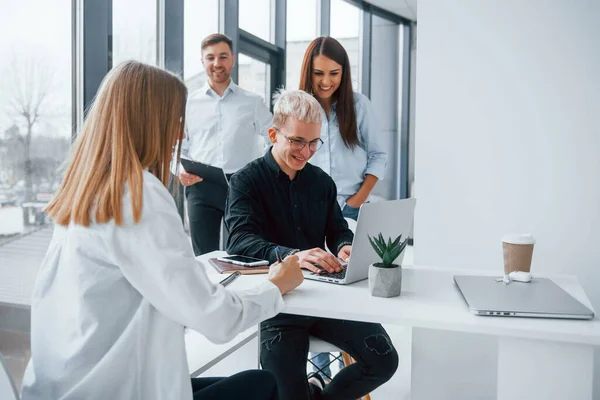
pixel 228 268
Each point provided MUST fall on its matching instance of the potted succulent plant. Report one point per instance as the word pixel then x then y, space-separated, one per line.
pixel 385 278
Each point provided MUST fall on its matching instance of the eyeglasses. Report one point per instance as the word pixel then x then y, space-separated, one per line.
pixel 299 144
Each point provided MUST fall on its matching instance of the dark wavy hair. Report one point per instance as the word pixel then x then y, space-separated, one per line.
pixel 346 115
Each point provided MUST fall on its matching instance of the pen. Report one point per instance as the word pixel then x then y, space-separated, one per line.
pixel 278 254
pixel 230 278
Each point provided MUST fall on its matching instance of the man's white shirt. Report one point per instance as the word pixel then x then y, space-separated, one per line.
pixel 225 131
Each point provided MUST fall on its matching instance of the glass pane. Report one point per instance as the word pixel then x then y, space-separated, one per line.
pixel 301 30
pixel 35 138
pixel 255 18
pixel 400 75
pixel 201 18
pixel 346 27
pixel 134 31
pixel 254 76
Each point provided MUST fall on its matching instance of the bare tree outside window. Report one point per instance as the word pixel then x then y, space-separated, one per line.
pixel 28 87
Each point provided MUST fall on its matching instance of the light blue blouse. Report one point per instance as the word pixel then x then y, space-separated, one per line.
pixel 348 167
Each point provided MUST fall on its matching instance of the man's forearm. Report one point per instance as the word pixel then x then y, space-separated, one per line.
pixel 251 245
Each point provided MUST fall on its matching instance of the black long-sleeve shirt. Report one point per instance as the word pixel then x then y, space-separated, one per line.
pixel 266 209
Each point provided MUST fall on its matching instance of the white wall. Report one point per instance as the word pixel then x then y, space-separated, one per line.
pixel 384 97
pixel 508 139
pixel 508 134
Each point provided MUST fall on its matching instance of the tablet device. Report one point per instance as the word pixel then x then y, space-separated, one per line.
pixel 207 172
pixel 244 260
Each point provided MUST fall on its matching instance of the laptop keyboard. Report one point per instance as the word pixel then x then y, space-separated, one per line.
pixel 334 275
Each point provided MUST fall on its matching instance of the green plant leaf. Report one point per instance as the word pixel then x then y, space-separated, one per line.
pixel 388 259
pixel 381 239
pixel 381 244
pixel 403 245
pixel 397 241
pixel 396 253
pixel 375 247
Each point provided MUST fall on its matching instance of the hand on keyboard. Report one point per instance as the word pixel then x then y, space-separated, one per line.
pixel 336 275
pixel 317 256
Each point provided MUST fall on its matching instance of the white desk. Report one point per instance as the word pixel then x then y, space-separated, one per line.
pixel 202 354
pixel 537 358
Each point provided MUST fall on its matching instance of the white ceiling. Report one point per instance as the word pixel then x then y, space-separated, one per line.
pixel 404 8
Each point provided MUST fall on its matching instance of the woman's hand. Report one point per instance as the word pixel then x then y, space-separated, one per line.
pixel 286 275
pixel 358 198
pixel 355 201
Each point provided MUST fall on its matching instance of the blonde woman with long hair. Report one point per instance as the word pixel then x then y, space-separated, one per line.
pixel 119 281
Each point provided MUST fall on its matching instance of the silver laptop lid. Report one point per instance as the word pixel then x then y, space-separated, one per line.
pixel 539 298
pixel 390 218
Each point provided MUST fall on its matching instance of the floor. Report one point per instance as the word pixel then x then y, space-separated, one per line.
pixel 19 261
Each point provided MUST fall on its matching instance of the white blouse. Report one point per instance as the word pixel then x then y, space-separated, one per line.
pixel 110 303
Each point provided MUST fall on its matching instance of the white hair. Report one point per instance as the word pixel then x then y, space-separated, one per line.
pixel 296 104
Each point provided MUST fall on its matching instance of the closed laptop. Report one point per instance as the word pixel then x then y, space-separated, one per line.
pixel 539 298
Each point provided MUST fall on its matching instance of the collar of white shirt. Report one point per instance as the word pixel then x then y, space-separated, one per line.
pixel 232 87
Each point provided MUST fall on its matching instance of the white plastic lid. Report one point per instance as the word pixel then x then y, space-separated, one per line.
pixel 519 238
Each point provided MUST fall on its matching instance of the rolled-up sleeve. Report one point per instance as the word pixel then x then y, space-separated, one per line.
pixel 372 137
pixel 156 258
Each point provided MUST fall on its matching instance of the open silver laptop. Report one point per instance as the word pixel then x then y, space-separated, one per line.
pixel 390 218
pixel 539 298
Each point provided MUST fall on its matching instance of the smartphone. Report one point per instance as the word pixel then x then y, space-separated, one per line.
pixel 244 261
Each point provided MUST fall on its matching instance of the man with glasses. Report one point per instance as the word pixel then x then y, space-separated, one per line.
pixel 227 128
pixel 282 201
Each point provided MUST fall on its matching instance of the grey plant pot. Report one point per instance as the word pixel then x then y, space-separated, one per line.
pixel 385 282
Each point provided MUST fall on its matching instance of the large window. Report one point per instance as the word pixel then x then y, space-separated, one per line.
pixel 346 27
pixel 35 138
pixel 255 76
pixel 35 108
pixel 201 18
pixel 301 30
pixel 134 31
pixel 256 18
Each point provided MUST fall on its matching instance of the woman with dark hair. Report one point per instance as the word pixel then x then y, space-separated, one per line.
pixel 352 152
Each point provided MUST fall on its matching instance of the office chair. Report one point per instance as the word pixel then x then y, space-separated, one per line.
pixel 316 345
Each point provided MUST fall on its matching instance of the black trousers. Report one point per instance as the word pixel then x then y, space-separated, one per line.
pixel 284 348
pixel 206 206
pixel 247 385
